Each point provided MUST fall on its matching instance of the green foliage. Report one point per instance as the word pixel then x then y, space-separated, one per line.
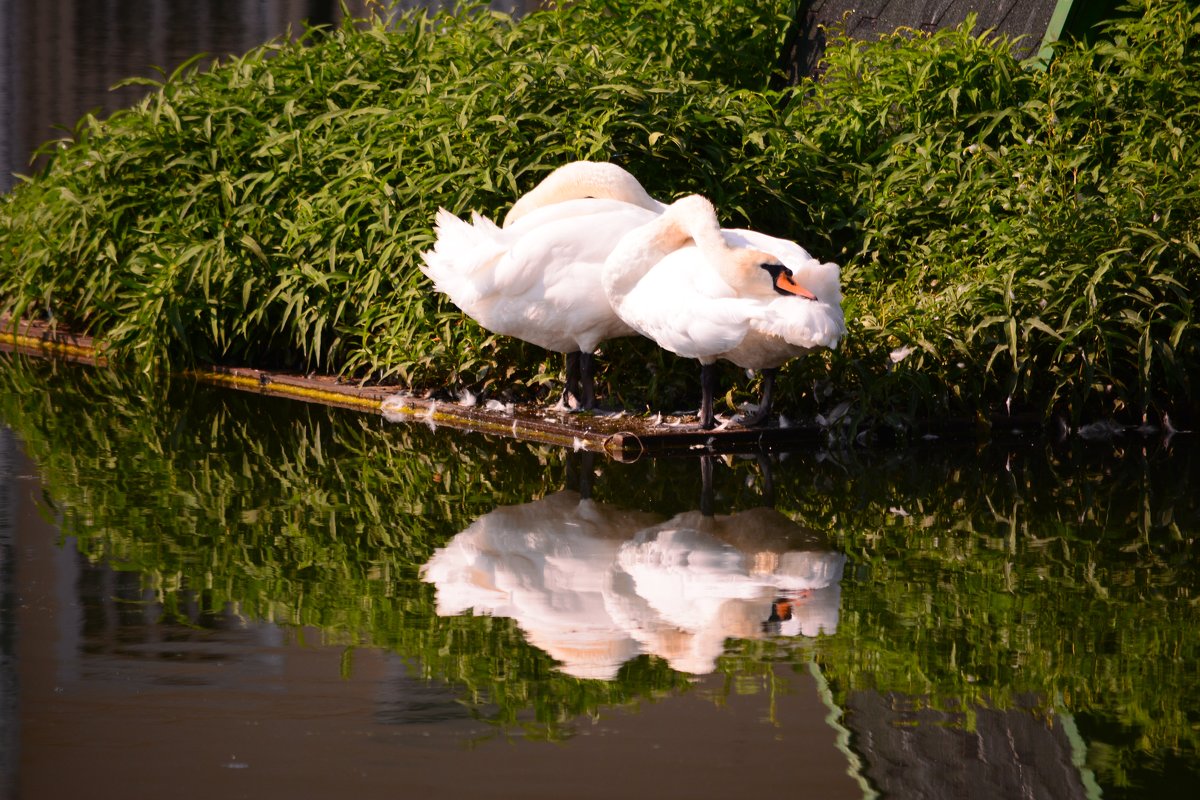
pixel 270 210
pixel 302 516
pixel 1030 237
pixel 1027 237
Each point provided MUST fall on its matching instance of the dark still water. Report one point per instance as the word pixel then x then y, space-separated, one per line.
pixel 208 593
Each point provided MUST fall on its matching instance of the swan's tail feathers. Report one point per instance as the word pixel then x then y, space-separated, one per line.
pixel 483 224
pixel 460 263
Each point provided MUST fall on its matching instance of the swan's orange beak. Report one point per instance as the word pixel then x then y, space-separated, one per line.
pixel 784 283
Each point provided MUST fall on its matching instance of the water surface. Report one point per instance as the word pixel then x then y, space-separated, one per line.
pixel 214 592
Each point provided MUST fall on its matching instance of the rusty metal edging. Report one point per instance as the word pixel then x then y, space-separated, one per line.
pixel 623 439
pixel 33 338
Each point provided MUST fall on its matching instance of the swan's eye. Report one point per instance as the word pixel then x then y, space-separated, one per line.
pixel 775 269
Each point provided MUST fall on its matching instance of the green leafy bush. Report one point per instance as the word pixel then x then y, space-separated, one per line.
pixel 1028 237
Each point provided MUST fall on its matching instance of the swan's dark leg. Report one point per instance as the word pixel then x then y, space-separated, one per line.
pixel 587 464
pixel 571 387
pixel 587 381
pixel 764 466
pixel 708 388
pixel 706 486
pixel 760 414
pixel 580 466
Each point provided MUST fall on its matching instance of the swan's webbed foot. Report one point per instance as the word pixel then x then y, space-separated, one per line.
pixel 753 416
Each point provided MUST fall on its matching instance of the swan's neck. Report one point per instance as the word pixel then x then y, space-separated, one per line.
pixel 581 179
pixel 690 220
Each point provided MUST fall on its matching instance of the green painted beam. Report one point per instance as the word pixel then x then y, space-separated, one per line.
pixel 1058 21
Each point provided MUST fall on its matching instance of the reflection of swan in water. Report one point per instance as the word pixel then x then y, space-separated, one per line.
pixel 685 586
pixel 595 586
pixel 545 564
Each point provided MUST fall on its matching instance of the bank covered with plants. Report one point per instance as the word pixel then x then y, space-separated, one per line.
pixel 1012 238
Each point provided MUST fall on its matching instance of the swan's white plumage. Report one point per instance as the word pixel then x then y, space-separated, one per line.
pixel 539 279
pixel 588 255
pixel 579 179
pixel 682 588
pixel 709 294
pixel 545 565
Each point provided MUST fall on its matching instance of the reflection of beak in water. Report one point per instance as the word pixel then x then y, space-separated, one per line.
pixel 683 587
pixel 781 612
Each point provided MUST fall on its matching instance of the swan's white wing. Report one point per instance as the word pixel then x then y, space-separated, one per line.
pixel 685 307
pixel 567 209
pixel 550 247
pixel 538 280
pixel 784 249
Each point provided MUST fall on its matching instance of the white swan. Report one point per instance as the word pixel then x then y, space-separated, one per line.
pixel 709 294
pixel 538 278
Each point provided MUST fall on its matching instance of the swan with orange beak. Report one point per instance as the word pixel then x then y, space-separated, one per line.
pixel 710 294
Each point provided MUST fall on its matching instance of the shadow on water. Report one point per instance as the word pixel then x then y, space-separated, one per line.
pixel 991 620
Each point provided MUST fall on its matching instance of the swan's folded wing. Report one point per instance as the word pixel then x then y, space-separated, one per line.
pixel 801 322
pixel 571 237
pixel 703 328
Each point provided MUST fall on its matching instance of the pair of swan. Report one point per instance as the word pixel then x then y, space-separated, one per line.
pixel 588 256
pixel 594 585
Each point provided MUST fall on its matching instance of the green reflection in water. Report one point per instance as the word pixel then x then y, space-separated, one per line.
pixel 1061 582
pixel 299 515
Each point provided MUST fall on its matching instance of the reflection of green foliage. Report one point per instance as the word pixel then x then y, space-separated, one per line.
pixel 974 577
pixel 1067 574
pixel 299 515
